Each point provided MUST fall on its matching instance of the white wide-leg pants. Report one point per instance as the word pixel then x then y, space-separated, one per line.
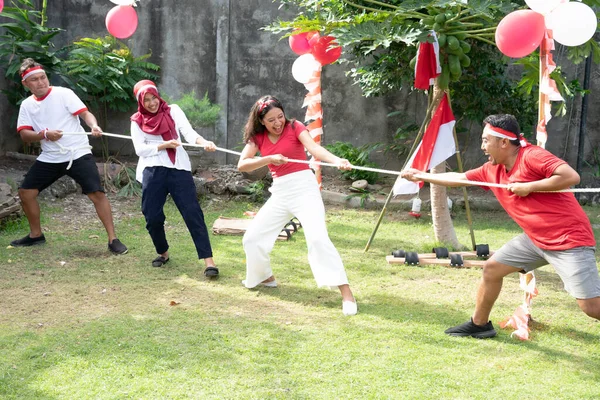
pixel 296 194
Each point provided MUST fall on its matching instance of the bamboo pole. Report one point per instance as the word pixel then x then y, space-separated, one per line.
pixel 464 188
pixel 433 101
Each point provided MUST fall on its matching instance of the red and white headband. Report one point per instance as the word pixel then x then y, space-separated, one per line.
pixel 263 104
pixel 504 134
pixel 143 89
pixel 31 71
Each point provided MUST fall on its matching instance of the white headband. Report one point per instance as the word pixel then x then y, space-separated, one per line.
pixel 145 87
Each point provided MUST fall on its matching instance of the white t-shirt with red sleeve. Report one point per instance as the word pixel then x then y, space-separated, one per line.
pixel 288 144
pixel 553 221
pixel 59 109
pixel 146 145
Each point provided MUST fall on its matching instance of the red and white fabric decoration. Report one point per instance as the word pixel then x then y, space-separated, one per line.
pixel 428 66
pixel 436 146
pixel 548 89
pixel 520 319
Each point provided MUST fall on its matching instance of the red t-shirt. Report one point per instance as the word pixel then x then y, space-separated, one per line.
pixel 553 221
pixel 287 145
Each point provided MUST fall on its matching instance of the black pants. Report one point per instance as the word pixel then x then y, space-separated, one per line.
pixel 157 183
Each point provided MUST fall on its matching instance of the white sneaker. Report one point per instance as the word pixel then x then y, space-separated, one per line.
pixel 271 284
pixel 349 307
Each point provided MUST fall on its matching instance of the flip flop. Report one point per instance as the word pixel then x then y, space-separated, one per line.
pixel 159 261
pixel 211 272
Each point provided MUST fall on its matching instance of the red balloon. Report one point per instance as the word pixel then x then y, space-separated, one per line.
pixel 520 33
pixel 301 42
pixel 326 50
pixel 1 5
pixel 121 21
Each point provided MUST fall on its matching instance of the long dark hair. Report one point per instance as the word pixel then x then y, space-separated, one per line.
pixel 257 113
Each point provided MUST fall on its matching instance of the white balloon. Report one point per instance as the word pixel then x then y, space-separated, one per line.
pixel 124 2
pixel 304 67
pixel 572 23
pixel 543 6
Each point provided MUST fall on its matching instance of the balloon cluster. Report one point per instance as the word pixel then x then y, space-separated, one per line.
pixel 314 51
pixel 122 20
pixel 521 32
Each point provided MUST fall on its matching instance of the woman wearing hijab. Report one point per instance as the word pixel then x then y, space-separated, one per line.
pixel 164 168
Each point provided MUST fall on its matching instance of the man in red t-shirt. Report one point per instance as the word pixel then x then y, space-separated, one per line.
pixel 556 229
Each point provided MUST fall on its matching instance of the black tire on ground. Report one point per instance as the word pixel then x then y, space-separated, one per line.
pixel 483 250
pixel 293 225
pixel 399 253
pixel 456 260
pixel 440 252
pixel 411 258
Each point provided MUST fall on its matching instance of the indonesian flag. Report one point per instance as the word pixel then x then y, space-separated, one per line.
pixel 428 65
pixel 436 146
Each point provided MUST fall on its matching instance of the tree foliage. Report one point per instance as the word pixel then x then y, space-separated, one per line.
pixel 25 35
pixel 103 72
pixel 380 39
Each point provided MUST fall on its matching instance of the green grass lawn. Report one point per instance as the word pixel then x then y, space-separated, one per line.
pixel 79 323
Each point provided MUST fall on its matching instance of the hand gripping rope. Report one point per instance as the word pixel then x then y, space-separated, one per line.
pixel 382 171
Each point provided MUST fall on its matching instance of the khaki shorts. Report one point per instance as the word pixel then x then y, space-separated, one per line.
pixel 576 267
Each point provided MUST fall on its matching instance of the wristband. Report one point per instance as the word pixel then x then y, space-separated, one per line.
pixel 44 133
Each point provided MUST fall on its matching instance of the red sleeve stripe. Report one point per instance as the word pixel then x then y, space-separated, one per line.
pixel 80 111
pixel 20 128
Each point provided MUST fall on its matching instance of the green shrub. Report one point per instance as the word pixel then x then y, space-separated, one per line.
pixel 199 111
pixel 103 72
pixel 358 156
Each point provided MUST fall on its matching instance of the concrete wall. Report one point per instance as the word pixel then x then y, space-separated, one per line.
pixel 217 46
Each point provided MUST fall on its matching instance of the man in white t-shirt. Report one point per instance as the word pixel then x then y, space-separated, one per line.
pixel 43 116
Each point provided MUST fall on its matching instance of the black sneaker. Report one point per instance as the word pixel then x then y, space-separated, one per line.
pixel 116 247
pixel 470 329
pixel 28 241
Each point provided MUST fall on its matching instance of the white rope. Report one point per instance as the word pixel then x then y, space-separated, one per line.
pixel 505 186
pixel 68 150
pixel 383 171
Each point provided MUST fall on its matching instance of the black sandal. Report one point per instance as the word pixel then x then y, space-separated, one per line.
pixel 211 272
pixel 159 261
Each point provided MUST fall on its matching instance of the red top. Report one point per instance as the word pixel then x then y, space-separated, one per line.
pixel 553 221
pixel 287 145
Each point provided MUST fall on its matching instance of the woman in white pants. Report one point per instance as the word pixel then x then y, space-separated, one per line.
pixel 294 193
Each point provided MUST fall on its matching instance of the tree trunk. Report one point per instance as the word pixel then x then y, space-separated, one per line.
pixel 443 228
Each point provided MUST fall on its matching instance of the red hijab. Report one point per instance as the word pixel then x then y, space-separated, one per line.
pixel 159 123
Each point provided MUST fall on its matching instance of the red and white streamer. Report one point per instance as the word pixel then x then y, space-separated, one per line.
pixel 314 114
pixel 548 90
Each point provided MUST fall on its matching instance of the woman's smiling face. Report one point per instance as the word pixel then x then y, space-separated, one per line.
pixel 151 102
pixel 274 121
